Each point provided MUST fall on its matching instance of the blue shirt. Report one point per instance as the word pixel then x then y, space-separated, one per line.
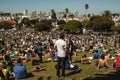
pixel 20 71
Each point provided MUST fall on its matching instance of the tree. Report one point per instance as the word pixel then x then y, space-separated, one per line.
pixel 66 13
pixel 86 8
pixel 85 23
pixel 116 29
pixel 100 23
pixel 66 10
pixel 71 16
pixel 73 26
pixel 25 21
pixel 107 14
pixel 5 25
pixel 17 25
pixel 44 25
pixel 33 22
pixel 53 15
pixel 61 24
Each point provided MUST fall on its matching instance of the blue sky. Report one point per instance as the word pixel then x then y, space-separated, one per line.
pixel 95 6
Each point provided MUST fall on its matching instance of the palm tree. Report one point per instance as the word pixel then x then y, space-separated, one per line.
pixel 53 15
pixel 66 10
pixel 66 13
pixel 86 8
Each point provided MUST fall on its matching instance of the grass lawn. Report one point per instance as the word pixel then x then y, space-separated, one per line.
pixel 85 72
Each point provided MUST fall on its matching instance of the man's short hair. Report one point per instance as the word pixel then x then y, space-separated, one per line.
pixel 19 60
pixel 62 35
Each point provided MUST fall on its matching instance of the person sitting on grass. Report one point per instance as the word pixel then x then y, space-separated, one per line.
pixel 84 60
pixel 4 72
pixel 10 67
pixel 70 66
pixel 117 61
pixel 102 62
pixel 95 54
pixel 20 70
pixel 12 56
pixel 52 53
pixel 23 56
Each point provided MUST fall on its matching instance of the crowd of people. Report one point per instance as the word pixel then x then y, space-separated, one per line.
pixel 22 46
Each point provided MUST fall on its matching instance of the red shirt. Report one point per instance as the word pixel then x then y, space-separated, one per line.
pixel 117 64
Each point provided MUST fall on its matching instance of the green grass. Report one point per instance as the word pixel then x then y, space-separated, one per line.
pixel 85 72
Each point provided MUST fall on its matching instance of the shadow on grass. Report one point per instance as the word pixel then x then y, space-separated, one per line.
pixel 46 61
pixel 73 72
pixel 30 75
pixel 109 76
pixel 49 77
pixel 40 78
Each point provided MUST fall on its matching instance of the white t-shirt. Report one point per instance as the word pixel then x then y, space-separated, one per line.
pixel 61 45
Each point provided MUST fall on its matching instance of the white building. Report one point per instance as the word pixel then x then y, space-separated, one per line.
pixel 25 12
pixel 5 16
pixel 116 19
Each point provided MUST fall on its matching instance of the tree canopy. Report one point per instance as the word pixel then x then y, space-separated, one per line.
pixel 100 23
pixel 44 25
pixel 5 25
pixel 73 26
pixel 53 15
pixel 25 21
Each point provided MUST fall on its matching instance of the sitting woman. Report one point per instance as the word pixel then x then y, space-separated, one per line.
pixel 102 62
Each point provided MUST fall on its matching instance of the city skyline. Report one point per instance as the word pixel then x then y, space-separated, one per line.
pixel 95 6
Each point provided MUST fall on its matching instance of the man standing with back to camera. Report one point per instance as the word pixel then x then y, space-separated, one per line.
pixel 60 45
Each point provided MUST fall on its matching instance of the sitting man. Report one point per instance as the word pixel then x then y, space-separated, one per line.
pixel 20 70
